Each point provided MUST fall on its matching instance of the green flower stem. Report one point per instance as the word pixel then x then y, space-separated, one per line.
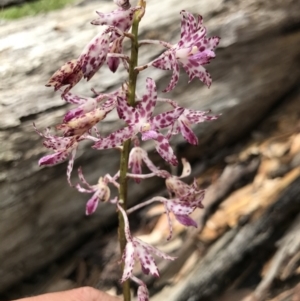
pixel 126 145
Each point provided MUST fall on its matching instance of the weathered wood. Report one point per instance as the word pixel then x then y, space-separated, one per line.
pixel 41 217
pixel 289 246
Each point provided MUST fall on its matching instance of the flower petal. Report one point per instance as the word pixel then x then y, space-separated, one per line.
pixel 154 250
pixel 187 133
pixel 165 60
pixel 119 18
pixel 128 259
pixel 165 119
pixel 70 166
pixel 125 111
pixel 142 293
pixel 164 149
pixel 195 69
pixel 53 159
pixel 84 122
pixel 147 105
pixel 186 170
pixel 69 74
pixel 147 261
pixel 186 220
pixel 94 54
pixel 174 78
pixel 89 105
pixel 92 204
pixel 115 139
pixel 74 99
pixel 135 161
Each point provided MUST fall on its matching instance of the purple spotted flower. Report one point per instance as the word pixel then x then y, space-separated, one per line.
pixel 94 54
pixel 136 157
pixel 89 104
pixel 85 104
pixel 119 18
pixel 101 191
pixel 115 47
pixel 122 20
pixel 79 122
pixel 185 120
pixel 69 74
pixel 192 51
pixel 63 147
pixel 140 120
pixel 184 198
pixel 136 248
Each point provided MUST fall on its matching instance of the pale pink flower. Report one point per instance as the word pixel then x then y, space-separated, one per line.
pixel 94 54
pixel 101 191
pixel 68 74
pixel 136 248
pixel 140 120
pixel 63 147
pixel 82 122
pixel 184 198
pixel 186 120
pixel 192 51
pixel 120 19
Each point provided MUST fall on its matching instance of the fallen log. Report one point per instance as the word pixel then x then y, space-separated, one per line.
pixel 42 218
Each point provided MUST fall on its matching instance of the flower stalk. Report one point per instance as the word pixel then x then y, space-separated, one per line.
pixel 125 150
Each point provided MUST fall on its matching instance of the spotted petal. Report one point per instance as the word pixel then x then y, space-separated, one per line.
pixel 186 220
pixel 53 159
pixel 164 149
pixel 115 47
pixel 128 258
pixel 94 55
pixel 165 119
pixel 147 105
pixel 194 69
pixel 115 139
pixel 89 105
pixel 187 133
pixel 119 18
pixel 165 60
pixel 125 111
pixel 142 293
pixel 92 204
pixel 74 99
pixel 69 74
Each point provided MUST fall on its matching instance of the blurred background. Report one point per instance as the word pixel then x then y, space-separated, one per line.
pixel 247 244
